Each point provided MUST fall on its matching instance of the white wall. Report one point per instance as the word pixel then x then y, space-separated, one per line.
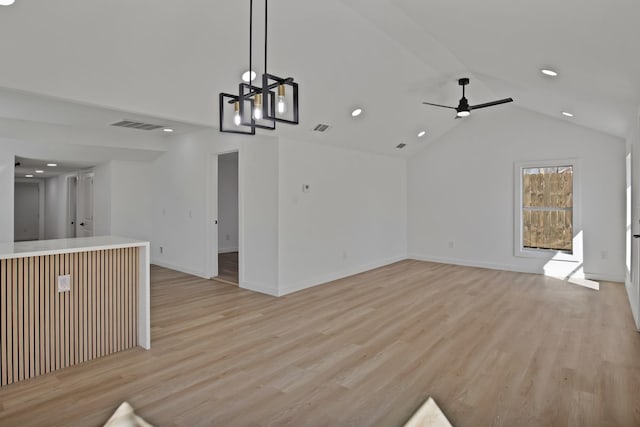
pixel 228 206
pixel 461 190
pixel 102 177
pixel 633 283
pixel 181 217
pixel 178 206
pixel 27 210
pixel 259 215
pixel 352 219
pixel 131 187
pixel 122 199
pixel 7 162
pixel 56 207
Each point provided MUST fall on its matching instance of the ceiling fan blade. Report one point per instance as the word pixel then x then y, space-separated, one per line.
pixel 490 104
pixel 439 105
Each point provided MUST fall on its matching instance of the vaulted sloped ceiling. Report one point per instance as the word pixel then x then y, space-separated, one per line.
pixel 170 59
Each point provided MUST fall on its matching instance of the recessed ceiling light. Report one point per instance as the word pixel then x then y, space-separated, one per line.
pixel 564 113
pixel 422 133
pixel 52 165
pixel 245 76
pixel 548 72
pixel 168 130
pixel 356 112
pixel 28 176
pixel 7 2
pixel 39 171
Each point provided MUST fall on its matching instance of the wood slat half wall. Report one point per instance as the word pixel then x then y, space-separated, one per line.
pixel 43 330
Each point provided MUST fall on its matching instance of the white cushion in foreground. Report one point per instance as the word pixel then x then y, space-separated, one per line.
pixel 428 415
pixel 125 417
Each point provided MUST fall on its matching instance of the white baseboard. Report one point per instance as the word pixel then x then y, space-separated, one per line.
pixel 260 287
pixel 604 277
pixel 478 264
pixel 509 267
pixel 180 268
pixel 330 277
pixel 227 250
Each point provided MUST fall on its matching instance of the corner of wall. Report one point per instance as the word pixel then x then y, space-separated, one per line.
pixel 7 174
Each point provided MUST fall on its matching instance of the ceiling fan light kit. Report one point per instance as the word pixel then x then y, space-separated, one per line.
pixel 259 106
pixel 464 109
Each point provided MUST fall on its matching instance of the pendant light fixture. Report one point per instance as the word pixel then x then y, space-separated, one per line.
pixel 255 106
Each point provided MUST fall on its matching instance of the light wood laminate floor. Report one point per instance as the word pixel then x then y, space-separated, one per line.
pixel 493 348
pixel 228 267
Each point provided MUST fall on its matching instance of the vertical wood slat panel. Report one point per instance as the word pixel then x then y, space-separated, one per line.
pixel 56 315
pixel 19 326
pixel 34 290
pixel 42 330
pixel 55 318
pixel 3 324
pixel 67 317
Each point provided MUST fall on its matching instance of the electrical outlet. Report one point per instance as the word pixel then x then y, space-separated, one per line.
pixel 604 254
pixel 64 283
pixel 161 250
pixel 306 188
pixel 227 237
pixel 451 244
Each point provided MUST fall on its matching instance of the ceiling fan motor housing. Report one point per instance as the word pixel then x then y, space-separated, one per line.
pixel 463 105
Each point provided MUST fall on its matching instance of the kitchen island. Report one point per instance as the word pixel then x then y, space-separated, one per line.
pixel 67 301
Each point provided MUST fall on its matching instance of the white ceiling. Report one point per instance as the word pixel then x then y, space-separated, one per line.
pixel 26 166
pixel 170 59
pixel 27 106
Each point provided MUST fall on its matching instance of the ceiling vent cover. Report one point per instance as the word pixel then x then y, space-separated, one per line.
pixel 321 128
pixel 136 125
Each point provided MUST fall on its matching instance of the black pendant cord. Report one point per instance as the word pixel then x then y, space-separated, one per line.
pixel 266 8
pixel 250 40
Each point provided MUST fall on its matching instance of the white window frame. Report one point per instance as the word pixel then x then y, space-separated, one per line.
pixel 519 249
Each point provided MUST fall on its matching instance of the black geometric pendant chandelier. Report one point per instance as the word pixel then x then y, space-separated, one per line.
pixel 259 107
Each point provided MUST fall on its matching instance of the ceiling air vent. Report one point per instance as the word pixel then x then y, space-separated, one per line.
pixel 136 125
pixel 401 145
pixel 321 128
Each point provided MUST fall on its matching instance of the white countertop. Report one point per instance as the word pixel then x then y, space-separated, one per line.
pixel 65 246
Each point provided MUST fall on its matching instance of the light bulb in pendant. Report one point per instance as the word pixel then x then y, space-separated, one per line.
pixel 257 111
pixel 236 117
pixel 282 105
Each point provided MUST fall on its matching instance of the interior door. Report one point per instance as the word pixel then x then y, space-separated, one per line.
pixel 26 211
pixel 84 205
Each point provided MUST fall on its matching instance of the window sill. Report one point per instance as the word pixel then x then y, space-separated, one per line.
pixel 547 254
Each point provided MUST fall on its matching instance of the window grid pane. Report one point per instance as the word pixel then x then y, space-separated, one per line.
pixel 547 211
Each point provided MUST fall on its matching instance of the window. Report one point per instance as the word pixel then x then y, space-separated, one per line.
pixel 546 208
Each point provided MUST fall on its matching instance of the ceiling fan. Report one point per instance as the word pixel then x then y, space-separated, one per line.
pixel 464 109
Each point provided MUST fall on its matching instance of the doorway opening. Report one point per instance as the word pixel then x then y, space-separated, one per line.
pixel 52 199
pixel 228 218
pixel 80 205
pixel 28 210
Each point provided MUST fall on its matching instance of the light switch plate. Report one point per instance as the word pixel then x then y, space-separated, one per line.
pixel 64 283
